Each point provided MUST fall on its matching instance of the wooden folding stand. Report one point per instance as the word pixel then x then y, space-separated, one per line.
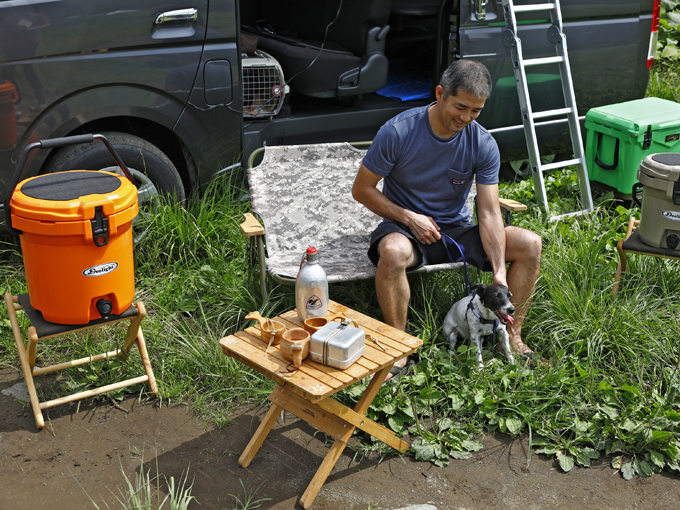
pixel 306 392
pixel 633 244
pixel 40 329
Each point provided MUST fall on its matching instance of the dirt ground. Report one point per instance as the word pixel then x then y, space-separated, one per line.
pixel 80 452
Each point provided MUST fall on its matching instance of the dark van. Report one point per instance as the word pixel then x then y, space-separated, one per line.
pixel 185 90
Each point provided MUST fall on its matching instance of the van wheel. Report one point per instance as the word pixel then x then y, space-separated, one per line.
pixel 153 171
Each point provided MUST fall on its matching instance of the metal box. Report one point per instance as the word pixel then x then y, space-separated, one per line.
pixel 619 136
pixel 337 344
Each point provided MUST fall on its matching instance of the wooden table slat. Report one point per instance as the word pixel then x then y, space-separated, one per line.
pixel 399 336
pixel 315 370
pixel 274 368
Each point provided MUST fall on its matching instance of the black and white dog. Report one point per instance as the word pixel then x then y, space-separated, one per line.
pixel 487 310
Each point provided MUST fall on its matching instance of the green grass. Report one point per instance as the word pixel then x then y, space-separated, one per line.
pixel 613 388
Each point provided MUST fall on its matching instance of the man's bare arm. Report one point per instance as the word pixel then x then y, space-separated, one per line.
pixel 364 191
pixel 492 230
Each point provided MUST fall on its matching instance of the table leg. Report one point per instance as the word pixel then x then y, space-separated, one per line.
pixel 260 435
pixel 339 445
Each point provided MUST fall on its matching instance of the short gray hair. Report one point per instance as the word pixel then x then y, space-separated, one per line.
pixel 470 76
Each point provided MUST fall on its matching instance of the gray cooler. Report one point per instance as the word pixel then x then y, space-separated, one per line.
pixel 659 175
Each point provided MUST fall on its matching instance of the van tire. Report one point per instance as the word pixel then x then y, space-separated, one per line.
pixel 137 153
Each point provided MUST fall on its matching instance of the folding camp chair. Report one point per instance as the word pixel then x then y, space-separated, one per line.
pixel 303 196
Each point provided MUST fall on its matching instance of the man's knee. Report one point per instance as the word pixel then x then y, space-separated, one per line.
pixel 396 252
pixel 523 244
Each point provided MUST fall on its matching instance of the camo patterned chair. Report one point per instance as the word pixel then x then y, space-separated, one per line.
pixel 303 196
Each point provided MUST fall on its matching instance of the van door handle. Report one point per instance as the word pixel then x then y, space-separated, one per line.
pixel 189 14
pixel 480 9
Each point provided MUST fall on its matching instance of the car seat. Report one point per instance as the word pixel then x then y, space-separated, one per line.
pixel 353 57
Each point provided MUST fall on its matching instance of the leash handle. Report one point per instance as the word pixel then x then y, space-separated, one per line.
pixel 448 241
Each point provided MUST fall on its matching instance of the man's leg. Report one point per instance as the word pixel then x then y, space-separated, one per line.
pixel 396 255
pixel 523 251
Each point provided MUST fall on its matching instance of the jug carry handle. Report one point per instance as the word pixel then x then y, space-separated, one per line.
pixel 616 154
pixel 53 143
pixel 636 188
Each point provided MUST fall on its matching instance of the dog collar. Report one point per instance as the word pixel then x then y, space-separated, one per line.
pixel 483 320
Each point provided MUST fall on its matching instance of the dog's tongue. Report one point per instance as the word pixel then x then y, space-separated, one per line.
pixel 508 318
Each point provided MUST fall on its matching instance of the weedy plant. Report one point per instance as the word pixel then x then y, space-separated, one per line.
pixel 143 492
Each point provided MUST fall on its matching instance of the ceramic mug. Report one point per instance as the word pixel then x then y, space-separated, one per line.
pixel 295 345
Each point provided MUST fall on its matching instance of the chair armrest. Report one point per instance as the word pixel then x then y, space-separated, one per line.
pixel 251 227
pixel 512 205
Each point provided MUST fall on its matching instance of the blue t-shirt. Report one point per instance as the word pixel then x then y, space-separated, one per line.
pixel 430 175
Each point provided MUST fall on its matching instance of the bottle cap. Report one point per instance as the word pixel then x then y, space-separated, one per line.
pixel 311 250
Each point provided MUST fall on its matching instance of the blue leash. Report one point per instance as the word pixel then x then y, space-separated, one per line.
pixel 448 242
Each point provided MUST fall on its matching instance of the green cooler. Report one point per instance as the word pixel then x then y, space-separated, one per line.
pixel 619 136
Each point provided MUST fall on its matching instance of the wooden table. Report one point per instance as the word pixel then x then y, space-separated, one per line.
pixel 305 393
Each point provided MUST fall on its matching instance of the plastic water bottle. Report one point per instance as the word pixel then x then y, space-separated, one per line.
pixel 311 287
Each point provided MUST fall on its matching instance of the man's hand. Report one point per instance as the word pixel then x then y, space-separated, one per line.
pixel 423 228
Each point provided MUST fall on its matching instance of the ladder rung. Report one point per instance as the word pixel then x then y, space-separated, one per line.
pixel 536 7
pixel 551 113
pixel 560 164
pixel 541 61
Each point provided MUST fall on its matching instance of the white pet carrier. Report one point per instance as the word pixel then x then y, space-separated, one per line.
pixel 263 85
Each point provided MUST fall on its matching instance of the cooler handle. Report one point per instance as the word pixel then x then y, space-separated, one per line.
pixel 51 144
pixel 636 188
pixel 616 154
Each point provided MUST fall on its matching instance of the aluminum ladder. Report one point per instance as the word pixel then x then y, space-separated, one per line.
pixel 519 63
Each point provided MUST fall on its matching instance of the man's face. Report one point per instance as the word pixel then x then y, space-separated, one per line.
pixel 456 112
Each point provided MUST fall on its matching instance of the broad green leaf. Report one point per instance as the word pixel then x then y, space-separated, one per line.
pixel 632 389
pixel 479 397
pixel 548 450
pixel 566 462
pixel 629 425
pixel 460 455
pixel 670 51
pixel 660 435
pixel 472 446
pixel 673 416
pixel 396 423
pixel 444 424
pixel 389 408
pixel 642 468
pixel 611 412
pixel 674 17
pixel 456 401
pixel 514 424
pixel 657 458
pixel 423 451
pixel 617 462
pixel 627 471
pixel 582 458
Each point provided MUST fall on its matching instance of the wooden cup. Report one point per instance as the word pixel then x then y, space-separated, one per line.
pixel 267 327
pixel 314 324
pixel 295 345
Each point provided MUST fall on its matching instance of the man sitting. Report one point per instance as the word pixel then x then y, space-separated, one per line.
pixel 428 157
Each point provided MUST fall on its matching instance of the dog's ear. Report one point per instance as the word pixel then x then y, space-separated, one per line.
pixel 479 288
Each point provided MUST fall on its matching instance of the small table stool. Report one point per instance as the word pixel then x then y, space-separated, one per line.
pixel 305 392
pixel 633 244
pixel 40 329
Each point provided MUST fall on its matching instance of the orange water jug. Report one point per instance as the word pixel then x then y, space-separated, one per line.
pixel 8 125
pixel 76 237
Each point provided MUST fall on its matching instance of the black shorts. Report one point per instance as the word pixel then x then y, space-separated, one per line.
pixel 436 253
